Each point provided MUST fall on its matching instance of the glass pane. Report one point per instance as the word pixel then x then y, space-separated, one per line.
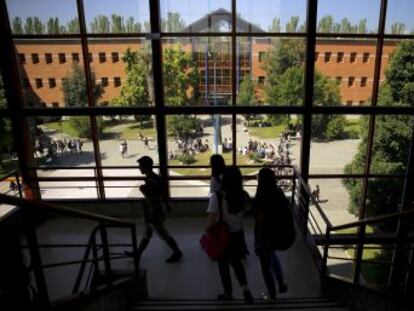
pixel 123 189
pixel 190 16
pixel 397 74
pixel 399 19
pixel 110 16
pixel 52 73
pixel 342 265
pixel 270 71
pixel 391 144
pixel 122 72
pixel 189 188
pixel 339 199
pixel 8 156
pixel 271 15
pixel 268 140
pixel 352 16
pixel 344 71
pixel 43 16
pixel 63 141
pixel 192 139
pixel 337 146
pixel 197 71
pixel 375 271
pixel 68 190
pixel 126 138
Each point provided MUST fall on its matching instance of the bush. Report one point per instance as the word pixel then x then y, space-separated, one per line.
pixel 336 128
pixel 255 157
pixel 186 158
pixel 82 126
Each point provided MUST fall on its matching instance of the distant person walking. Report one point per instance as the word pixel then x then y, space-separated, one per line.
pixel 231 200
pixel 154 215
pixel 267 205
pixel 123 148
pixel 316 193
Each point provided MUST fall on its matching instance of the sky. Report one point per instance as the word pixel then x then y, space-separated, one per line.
pixel 259 12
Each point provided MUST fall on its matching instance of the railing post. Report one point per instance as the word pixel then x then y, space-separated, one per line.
pixel 292 199
pixel 135 248
pixel 358 254
pixel 326 250
pixel 106 255
pixel 36 262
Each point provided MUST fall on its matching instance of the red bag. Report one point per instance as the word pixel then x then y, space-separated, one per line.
pixel 216 240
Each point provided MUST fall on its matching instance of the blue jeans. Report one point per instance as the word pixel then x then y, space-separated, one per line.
pixel 271 269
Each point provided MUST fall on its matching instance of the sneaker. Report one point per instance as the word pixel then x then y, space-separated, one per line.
pixel 268 297
pixel 248 298
pixel 283 288
pixel 174 257
pixel 225 297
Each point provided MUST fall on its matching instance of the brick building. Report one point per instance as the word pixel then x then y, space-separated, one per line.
pixel 45 63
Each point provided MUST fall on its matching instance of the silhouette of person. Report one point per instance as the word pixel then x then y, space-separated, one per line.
pixel 316 193
pixel 232 200
pixel 154 216
pixel 217 169
pixel 265 207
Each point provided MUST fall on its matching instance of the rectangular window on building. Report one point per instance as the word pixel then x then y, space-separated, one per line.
pixel 365 57
pixel 104 81
pixel 102 57
pixel 26 83
pixel 117 81
pixel 22 58
pixel 55 105
pixel 352 57
pixel 351 81
pixel 75 57
pixel 261 56
pixel 362 102
pixel 39 83
pixel 35 58
pixel 327 58
pixel 316 56
pixel 340 57
pixel 339 79
pixel 48 58
pixel 115 57
pixel 62 58
pixel 363 81
pixel 261 79
pixel 52 83
pixel 90 57
pixel 349 102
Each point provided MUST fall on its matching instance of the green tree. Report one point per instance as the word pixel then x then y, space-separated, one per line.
pixel 100 24
pixel 131 26
pixel 17 26
pixel 293 25
pixel 326 24
pixel 73 26
pixel 138 87
pixel 247 94
pixel 38 26
pixel 74 88
pixel 6 137
pixel 117 24
pixel 362 26
pixel 52 26
pixel 391 138
pixel 275 25
pixel 29 26
pixel 398 28
pixel 173 23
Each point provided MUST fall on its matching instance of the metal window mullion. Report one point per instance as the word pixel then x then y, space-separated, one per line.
pixel 234 80
pixel 156 49
pixel 91 99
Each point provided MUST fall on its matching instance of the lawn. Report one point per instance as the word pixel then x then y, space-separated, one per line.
pixel 266 132
pixel 353 230
pixel 203 158
pixel 132 130
pixel 62 126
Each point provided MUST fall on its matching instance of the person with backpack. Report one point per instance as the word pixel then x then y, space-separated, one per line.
pixel 227 205
pixel 274 230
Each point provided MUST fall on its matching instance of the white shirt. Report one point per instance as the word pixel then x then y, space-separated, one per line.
pixel 234 221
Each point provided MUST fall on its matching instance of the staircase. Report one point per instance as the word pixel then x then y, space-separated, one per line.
pixel 292 304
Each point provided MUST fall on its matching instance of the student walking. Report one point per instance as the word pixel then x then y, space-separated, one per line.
pixel 154 215
pixel 268 206
pixel 230 202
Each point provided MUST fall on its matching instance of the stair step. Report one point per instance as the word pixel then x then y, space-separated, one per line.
pixel 314 304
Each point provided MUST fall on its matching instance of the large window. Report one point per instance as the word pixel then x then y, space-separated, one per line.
pixel 205 85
